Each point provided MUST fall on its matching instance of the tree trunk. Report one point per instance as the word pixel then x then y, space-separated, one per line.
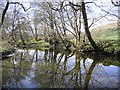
pixel 87 32
pixel 20 31
pixel 36 34
pixel 3 14
pixel 21 36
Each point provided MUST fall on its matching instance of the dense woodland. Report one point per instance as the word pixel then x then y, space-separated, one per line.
pixel 62 24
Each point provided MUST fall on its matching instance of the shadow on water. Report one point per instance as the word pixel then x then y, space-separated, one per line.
pixel 59 69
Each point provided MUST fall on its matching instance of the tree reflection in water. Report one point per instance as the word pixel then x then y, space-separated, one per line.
pixel 14 70
pixel 56 69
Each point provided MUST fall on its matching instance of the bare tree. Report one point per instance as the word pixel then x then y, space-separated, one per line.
pixel 96 48
pixel 6 8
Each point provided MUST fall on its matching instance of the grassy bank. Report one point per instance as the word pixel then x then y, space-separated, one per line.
pixel 32 44
pixel 5 49
pixel 107 39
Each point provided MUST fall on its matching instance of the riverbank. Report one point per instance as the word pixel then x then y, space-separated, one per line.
pixel 39 66
pixel 6 49
pixel 6 53
pixel 41 44
pixel 106 39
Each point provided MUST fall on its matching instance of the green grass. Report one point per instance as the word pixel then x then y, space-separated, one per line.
pixel 111 34
pixel 106 38
pixel 40 43
pixel 109 37
pixel 33 44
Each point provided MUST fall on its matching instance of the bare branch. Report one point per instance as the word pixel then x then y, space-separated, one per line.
pixel 70 4
pixel 110 13
pixel 6 8
pixel 21 5
pixel 104 16
pixel 89 2
pixel 70 32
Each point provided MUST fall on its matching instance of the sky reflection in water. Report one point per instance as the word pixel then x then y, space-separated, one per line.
pixel 51 69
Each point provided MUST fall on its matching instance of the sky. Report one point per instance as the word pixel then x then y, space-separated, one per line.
pixel 106 5
pixel 96 11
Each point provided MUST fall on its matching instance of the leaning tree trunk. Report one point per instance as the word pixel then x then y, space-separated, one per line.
pixel 3 14
pixel 87 32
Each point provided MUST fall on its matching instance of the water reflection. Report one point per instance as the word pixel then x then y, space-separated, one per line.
pixel 59 69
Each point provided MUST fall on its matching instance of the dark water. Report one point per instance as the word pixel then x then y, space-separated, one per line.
pixel 54 69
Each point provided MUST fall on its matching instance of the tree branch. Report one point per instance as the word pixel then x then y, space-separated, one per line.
pixel 6 8
pixel 20 5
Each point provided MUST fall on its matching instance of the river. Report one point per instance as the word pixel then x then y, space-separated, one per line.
pixel 59 69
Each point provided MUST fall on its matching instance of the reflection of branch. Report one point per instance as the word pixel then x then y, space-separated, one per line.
pixel 13 67
pixel 104 71
pixel 71 54
pixel 97 81
pixel 84 66
pixel 88 74
pixel 92 82
pixel 33 57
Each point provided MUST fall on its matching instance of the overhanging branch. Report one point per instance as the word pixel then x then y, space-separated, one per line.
pixel 20 5
pixel 6 8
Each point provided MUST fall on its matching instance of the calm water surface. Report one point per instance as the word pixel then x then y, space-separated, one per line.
pixel 54 69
